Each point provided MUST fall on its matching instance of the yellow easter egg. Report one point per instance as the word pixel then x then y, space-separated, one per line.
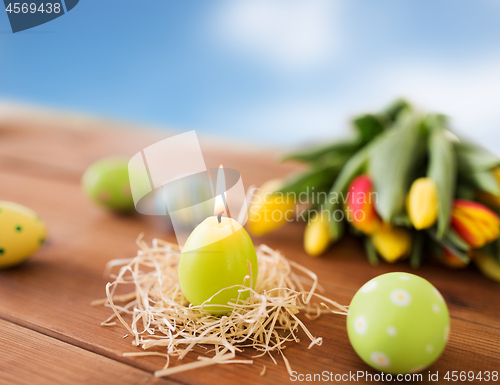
pixel 22 232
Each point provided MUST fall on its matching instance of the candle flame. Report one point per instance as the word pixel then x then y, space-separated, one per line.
pixel 220 207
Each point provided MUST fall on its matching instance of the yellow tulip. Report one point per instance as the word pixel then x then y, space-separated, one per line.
pixel 487 265
pixel 422 203
pixel 488 198
pixel 392 243
pixel 268 210
pixel 317 236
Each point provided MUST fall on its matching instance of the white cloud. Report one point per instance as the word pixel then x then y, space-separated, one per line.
pixel 468 92
pixel 287 34
pixel 299 121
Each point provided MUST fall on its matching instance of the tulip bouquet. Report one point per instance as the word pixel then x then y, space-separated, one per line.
pixel 405 183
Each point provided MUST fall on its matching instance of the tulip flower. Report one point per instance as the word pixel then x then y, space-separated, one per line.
pixel 449 259
pixel 422 203
pixel 317 235
pixel 475 223
pixel 360 205
pixel 488 198
pixel 269 210
pixel 392 243
pixel 488 265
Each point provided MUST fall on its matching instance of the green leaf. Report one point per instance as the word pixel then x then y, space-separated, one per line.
pixel 442 170
pixel 460 254
pixel 483 180
pixel 337 227
pixel 475 164
pixel 433 121
pixel 371 252
pixel 332 159
pixel 451 238
pixel 311 181
pixel 393 162
pixel 466 191
pixel 417 252
pixel 453 242
pixel 402 219
pixel 368 126
pixel 352 168
pixel 335 223
pixel 473 158
pixel 392 111
pixel 313 153
pixel 440 245
pixel 455 239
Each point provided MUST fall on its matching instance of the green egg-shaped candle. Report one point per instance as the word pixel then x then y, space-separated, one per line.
pixel 107 183
pixel 22 233
pixel 217 255
pixel 398 323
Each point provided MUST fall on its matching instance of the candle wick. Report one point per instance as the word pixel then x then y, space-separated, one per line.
pixel 219 217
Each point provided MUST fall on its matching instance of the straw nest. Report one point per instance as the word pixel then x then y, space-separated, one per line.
pixel 156 314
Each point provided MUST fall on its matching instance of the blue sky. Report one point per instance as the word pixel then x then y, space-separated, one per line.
pixel 276 72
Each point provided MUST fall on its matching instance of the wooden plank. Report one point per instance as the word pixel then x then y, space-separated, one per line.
pixel 28 357
pixel 41 169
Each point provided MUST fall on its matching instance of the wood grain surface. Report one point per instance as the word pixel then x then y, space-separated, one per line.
pixel 29 357
pixel 45 303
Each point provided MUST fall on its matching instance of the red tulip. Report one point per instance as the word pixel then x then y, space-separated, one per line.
pixel 360 205
pixel 475 223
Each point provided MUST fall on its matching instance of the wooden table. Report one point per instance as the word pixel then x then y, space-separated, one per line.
pixel 51 334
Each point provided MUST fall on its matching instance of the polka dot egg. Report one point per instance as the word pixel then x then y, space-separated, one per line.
pixel 22 232
pixel 398 323
pixel 106 182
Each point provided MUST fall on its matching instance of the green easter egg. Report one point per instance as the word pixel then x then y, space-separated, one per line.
pixel 106 182
pixel 398 323
pixel 22 233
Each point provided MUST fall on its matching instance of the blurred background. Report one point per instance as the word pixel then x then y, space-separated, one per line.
pixel 268 72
